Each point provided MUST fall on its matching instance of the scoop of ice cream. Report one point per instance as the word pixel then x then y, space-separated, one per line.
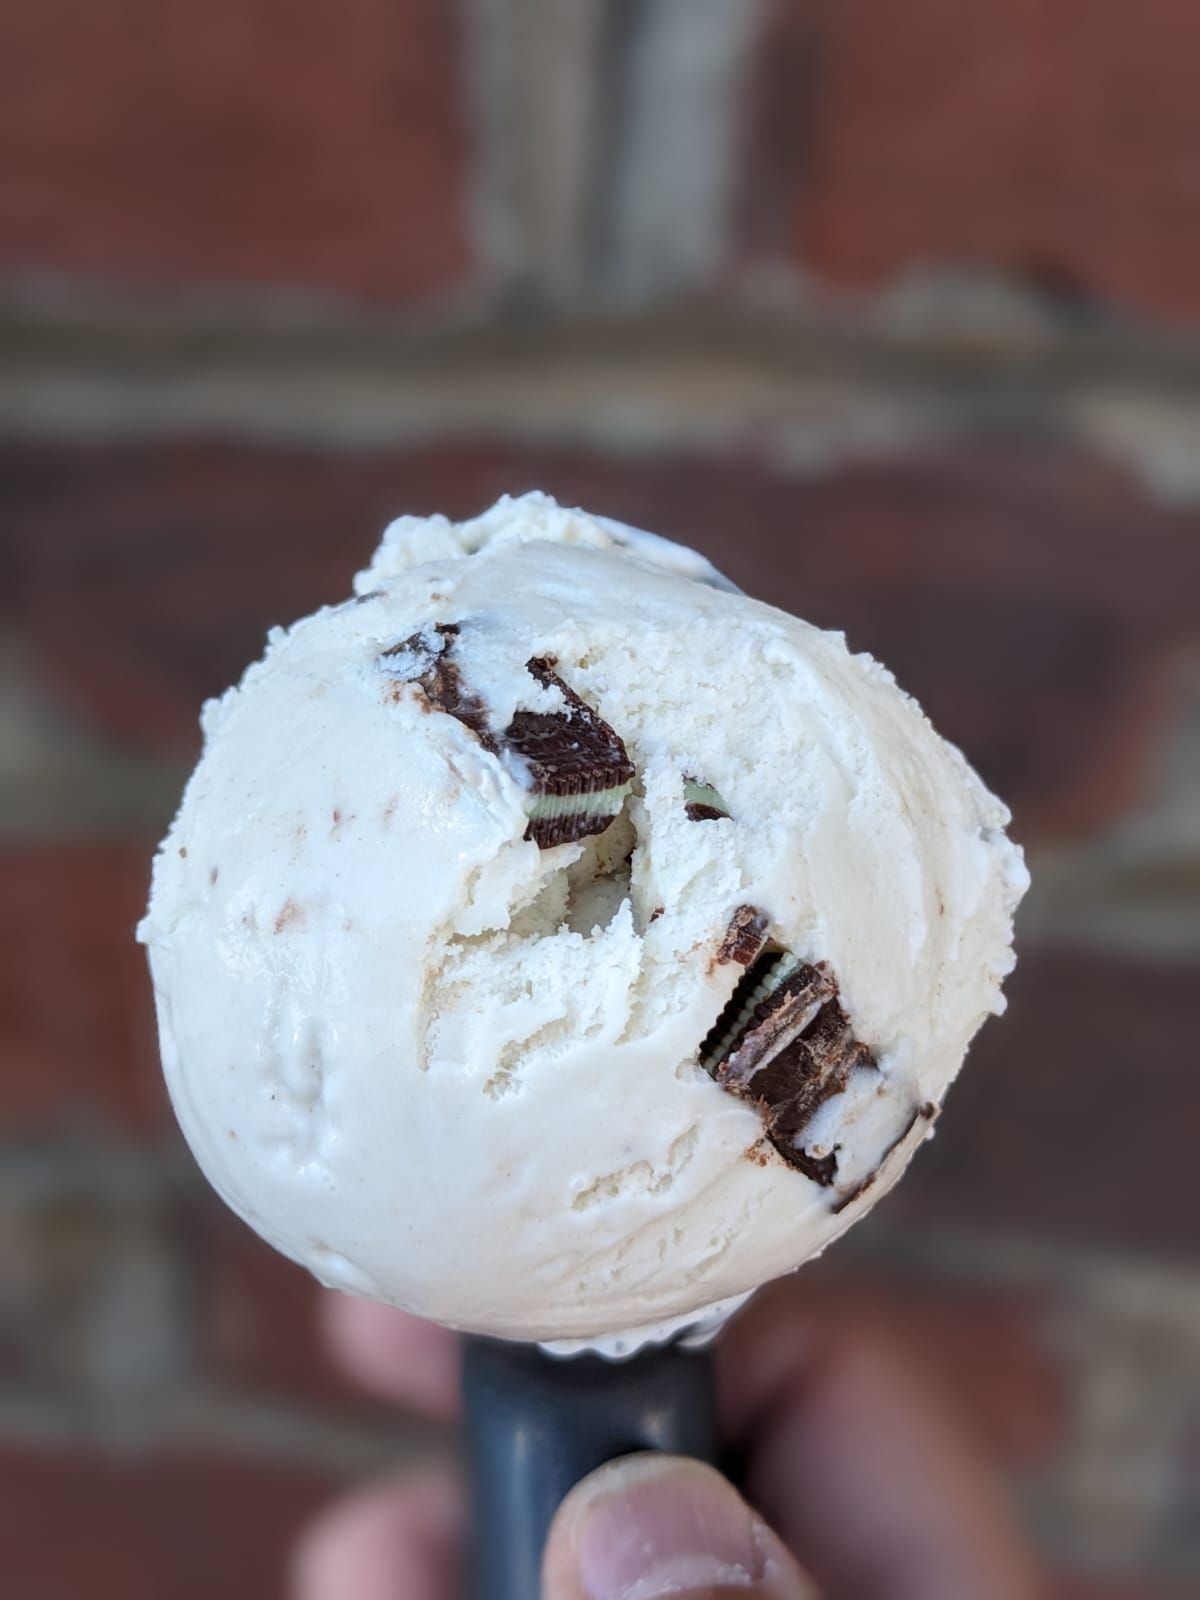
pixel 553 943
pixel 410 541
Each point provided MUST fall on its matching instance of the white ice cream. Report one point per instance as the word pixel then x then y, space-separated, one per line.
pixel 443 1067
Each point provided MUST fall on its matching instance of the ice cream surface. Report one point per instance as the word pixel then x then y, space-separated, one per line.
pixel 554 943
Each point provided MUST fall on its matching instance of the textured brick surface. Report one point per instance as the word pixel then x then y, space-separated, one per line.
pixel 95 1298
pixel 1074 1587
pixel 1057 142
pixel 256 1326
pixel 143 1528
pixel 77 1048
pixel 1040 1258
pixel 178 558
pixel 1076 1113
pixel 999 587
pixel 269 143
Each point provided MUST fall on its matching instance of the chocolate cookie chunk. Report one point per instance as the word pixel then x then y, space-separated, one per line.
pixel 578 766
pixel 783 1043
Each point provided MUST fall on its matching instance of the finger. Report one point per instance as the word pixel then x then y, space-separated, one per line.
pixel 862 1468
pixel 391 1541
pixel 985 1351
pixel 655 1525
pixel 400 1357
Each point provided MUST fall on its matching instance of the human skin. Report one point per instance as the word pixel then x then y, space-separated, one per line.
pixel 864 1484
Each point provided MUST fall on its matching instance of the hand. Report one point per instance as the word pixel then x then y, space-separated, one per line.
pixel 862 1483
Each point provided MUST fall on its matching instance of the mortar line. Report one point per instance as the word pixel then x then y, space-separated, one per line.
pixel 204 1416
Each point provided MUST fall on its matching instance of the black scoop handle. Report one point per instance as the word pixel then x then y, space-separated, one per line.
pixel 536 1424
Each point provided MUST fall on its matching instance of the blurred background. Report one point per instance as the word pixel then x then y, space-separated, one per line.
pixel 894 311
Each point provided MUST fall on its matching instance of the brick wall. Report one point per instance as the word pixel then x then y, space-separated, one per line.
pixel 300 146
pixel 892 311
pixel 1058 144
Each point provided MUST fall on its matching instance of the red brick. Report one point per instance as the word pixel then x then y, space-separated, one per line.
pixel 1075 1116
pixel 1034 603
pixel 256 1325
pixel 77 1043
pixel 133 1527
pixel 1075 1587
pixel 94 1296
pixel 236 144
pixel 1059 142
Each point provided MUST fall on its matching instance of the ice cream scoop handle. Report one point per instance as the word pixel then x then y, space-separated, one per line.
pixel 536 1424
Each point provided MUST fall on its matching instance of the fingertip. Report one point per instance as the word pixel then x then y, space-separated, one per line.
pixel 391 1541
pixel 341 1550
pixel 657 1525
pixel 402 1357
pixel 864 1466
pixel 763 1350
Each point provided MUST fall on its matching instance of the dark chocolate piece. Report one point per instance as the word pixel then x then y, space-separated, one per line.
pixel 783 1043
pixel 772 1021
pixel 579 770
pixel 578 766
pixel 701 802
pixel 426 660
pixel 821 1169
pixel 821 1061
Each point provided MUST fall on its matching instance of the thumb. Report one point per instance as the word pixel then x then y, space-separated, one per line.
pixel 655 1525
